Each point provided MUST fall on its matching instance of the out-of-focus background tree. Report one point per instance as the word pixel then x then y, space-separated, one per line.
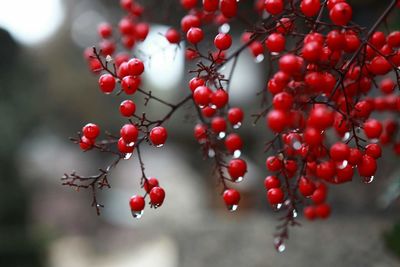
pixel 47 94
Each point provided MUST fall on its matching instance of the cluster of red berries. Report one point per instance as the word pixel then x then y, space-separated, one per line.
pixel 322 112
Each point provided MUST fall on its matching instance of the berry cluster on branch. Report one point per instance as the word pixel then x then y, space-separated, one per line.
pixel 328 77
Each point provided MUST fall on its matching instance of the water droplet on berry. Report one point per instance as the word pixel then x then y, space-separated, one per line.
pixel 202 106
pixel 131 144
pixel 279 245
pixel 239 179
pixel 369 179
pixel 160 145
pixel 221 135
pixel 343 164
pixel 259 58
pixel 277 207
pixel 294 213
pixel 232 208
pixel 224 28
pixel 128 156
pixel 296 145
pixel 237 125
pixel 211 153
pixel 237 153
pixel 137 214
pixel 213 106
pixel 346 136
pixel 274 53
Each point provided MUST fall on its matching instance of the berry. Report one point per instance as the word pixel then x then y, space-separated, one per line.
pixel 158 135
pixel 283 101
pixel 341 14
pixel 104 30
pixel 219 98
pixel 228 8
pixel 306 187
pixel 173 36
pixel 373 150
pixel 277 120
pixel 231 197
pixel 202 95
pixel 157 196
pixel 91 131
pixel 195 35
pixel 367 166
pixel 130 84
pixel 271 182
pixel 124 147
pixel 196 82
pixel 233 142
pixel 136 67
pixel 323 210
pixel 275 196
pixel 200 132
pixel 137 203
pixel 373 128
pixel 86 143
pixel 237 168
pixel 188 22
pixel 127 108
pixel 290 64
pixel 310 213
pixel 223 41
pixel 235 116
pixel 339 151
pixel 310 8
pixel 275 42
pixel 274 164
pixel 274 7
pixel 188 4
pixel 107 83
pixel 210 5
pixel 218 124
pixel 129 133
pixel 149 184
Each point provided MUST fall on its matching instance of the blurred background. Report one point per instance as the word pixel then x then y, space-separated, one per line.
pixel 47 94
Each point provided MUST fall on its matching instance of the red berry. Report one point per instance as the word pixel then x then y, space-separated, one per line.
pixel 387 86
pixel 208 112
pixel 277 120
pixel 275 42
pixel 323 210
pixel 91 131
pixel 237 168
pixel 129 133
pixel 271 182
pixel 195 35
pixel 173 36
pixel 189 4
pixel 229 8
pixel 373 128
pixel 339 151
pixel 274 164
pixel 223 41
pixel 200 132
pixel 393 39
pixel 141 31
pixel 275 196
pixel 130 84
pixel 319 195
pixel 310 213
pixel 123 147
pixel 136 67
pixel 157 196
pixel 188 22
pixel 219 98
pixel 196 82
pixel 326 170
pixel 313 137
pixel 107 47
pixel 210 5
pixel 367 166
pixel 149 184
pixel 290 64
pixel 137 203
pixel 86 143
pixel 231 197
pixel 202 95
pixel 283 101
pixel 127 108
pixel 274 7
pixel 107 83
pixel 335 40
pixel 233 142
pixel 158 135
pixel 306 187
pixel 355 156
pixel 341 13
pixel 104 30
pixel 235 116
pixel 312 51
pixel 218 124
pixel 310 8
pixel 373 150
pixel 379 66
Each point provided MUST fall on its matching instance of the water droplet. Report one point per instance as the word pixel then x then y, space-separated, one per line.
pixel 239 179
pixel 211 153
pixel 295 213
pixel 221 135
pixel 107 93
pixel 343 164
pixel 237 153
pixel 202 106
pixel 137 214
pixel 224 28
pixel 296 145
pixel 160 145
pixel 346 136
pixel 274 53
pixel 368 180
pixel 237 125
pixel 375 140
pixel 109 58
pixel 277 207
pixel 213 106
pixel 259 58
pixel 233 208
pixel 131 144
pixel 279 245
pixel 128 156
